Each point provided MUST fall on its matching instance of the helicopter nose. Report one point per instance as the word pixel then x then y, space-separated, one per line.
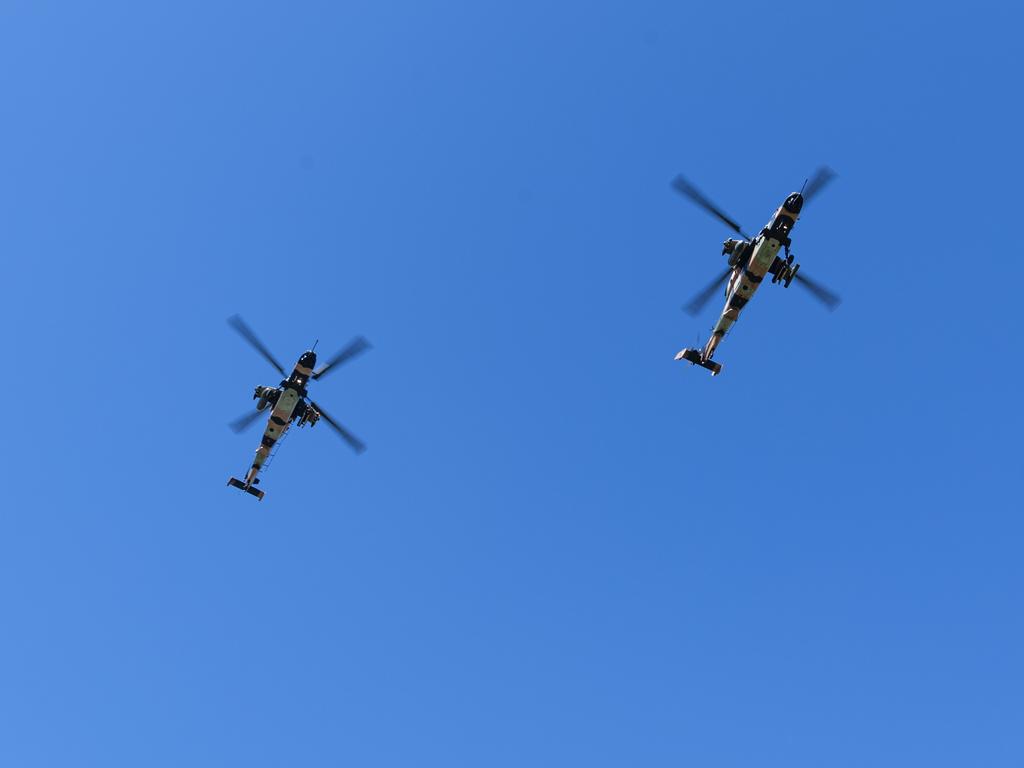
pixel 794 203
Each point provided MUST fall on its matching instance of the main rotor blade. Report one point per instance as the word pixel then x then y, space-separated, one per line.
pixel 355 347
pixel 820 292
pixel 818 182
pixel 357 445
pixel 236 322
pixel 686 189
pixel 697 302
pixel 242 423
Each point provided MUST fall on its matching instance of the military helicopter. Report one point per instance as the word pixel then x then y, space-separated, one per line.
pixel 288 402
pixel 750 259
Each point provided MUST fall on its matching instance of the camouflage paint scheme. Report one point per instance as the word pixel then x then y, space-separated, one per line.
pixel 292 392
pixel 288 406
pixel 753 260
pixel 288 402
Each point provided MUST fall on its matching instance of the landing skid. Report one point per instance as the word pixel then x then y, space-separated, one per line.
pixel 694 357
pixel 247 488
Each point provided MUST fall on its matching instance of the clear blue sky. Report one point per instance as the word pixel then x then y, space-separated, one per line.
pixel 562 548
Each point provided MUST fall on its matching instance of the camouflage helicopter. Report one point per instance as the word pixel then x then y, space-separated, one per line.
pixel 288 402
pixel 750 259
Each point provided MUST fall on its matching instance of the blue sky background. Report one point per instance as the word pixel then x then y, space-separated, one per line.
pixel 562 547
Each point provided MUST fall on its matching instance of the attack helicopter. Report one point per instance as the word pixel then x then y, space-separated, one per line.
pixel 288 402
pixel 749 260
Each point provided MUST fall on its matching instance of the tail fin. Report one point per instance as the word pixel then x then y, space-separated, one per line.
pixel 695 357
pixel 247 488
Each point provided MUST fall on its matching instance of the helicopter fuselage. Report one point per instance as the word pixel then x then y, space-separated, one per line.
pixel 277 425
pixel 288 404
pixel 746 279
pixel 759 258
pixel 750 260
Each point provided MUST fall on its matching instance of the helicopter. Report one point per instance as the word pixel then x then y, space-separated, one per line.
pixel 288 402
pixel 750 259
